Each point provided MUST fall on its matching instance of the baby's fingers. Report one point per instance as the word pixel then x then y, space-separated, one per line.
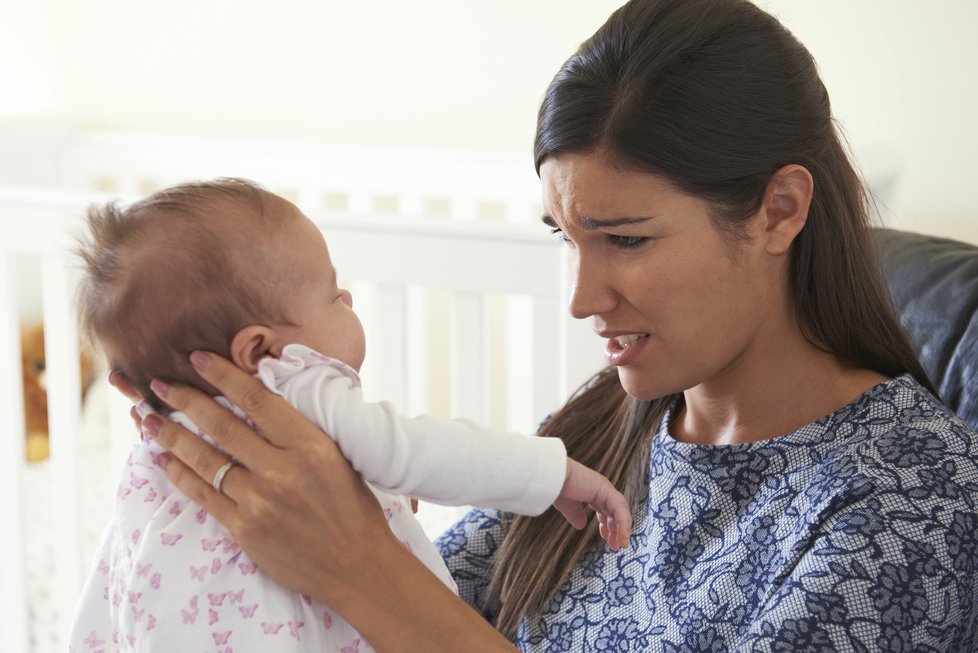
pixel 614 521
pixel 620 524
pixel 603 530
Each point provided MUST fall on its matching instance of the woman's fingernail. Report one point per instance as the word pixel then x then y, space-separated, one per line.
pixel 152 424
pixel 143 409
pixel 163 459
pixel 200 360
pixel 161 388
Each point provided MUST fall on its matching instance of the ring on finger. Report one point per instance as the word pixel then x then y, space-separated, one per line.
pixel 220 474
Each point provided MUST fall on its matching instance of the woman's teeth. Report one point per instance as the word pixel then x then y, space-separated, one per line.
pixel 627 341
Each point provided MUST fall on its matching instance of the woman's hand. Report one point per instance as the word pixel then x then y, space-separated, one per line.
pixel 298 509
pixel 295 483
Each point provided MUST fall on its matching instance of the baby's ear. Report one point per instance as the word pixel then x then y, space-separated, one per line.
pixel 250 345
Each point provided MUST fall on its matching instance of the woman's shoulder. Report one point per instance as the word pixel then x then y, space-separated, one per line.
pixel 899 425
pixel 895 453
pixel 905 457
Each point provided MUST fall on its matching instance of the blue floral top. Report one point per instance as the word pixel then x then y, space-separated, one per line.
pixel 858 532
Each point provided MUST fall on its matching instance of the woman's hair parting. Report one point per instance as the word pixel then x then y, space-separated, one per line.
pixel 715 96
pixel 177 271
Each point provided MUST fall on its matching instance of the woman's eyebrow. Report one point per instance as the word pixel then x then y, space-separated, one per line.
pixel 590 224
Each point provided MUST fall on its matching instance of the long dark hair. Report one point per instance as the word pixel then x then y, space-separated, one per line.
pixel 715 96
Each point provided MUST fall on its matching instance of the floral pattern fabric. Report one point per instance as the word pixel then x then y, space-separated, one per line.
pixel 858 532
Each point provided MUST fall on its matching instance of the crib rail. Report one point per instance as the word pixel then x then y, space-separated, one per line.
pixel 462 185
pixel 461 316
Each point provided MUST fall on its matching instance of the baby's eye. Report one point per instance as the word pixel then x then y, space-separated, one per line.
pixel 627 242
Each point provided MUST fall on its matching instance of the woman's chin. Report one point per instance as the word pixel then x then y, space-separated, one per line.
pixel 640 386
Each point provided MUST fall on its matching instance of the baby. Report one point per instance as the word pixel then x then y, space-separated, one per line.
pixel 228 267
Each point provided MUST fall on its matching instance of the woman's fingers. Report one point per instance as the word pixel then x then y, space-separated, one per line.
pixel 190 463
pixel 231 433
pixel 271 413
pixel 121 382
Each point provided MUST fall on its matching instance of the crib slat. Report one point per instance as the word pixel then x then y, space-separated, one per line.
pixel 64 407
pixel 519 365
pixel 535 384
pixel 417 355
pixel 469 360
pixel 13 585
pixel 387 345
pixel 549 338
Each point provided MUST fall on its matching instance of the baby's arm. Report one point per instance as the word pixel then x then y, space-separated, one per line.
pixel 452 462
pixel 584 485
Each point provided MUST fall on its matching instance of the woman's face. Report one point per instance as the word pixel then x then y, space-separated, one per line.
pixel 677 304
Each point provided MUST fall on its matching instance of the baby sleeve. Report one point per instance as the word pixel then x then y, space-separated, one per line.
pixel 450 462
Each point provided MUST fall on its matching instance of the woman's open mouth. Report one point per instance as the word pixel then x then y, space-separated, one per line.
pixel 621 350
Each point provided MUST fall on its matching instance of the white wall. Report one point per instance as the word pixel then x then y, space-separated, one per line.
pixel 902 75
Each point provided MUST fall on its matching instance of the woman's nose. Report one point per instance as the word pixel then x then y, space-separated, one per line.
pixel 591 293
pixel 346 297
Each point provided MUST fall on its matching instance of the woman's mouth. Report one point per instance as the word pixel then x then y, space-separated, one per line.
pixel 624 342
pixel 621 350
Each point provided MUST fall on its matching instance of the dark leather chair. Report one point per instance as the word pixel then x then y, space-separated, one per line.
pixel 933 283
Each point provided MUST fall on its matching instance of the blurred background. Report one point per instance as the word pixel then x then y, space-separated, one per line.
pixel 466 75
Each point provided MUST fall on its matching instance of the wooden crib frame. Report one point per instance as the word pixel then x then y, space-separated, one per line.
pixel 460 289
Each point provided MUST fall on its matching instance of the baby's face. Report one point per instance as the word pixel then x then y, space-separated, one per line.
pixel 322 312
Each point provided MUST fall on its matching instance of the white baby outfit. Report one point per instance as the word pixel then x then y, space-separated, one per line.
pixel 167 577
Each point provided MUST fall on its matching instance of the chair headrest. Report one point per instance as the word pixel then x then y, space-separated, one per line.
pixel 933 283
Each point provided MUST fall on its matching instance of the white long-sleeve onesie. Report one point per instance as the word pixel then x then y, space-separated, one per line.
pixel 451 462
pixel 168 577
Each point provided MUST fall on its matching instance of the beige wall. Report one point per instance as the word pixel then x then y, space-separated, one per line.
pixel 464 74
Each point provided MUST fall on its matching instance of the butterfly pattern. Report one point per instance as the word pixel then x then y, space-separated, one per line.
pixel 858 532
pixel 165 567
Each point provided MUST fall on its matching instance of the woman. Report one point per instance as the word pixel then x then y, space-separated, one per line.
pixel 794 484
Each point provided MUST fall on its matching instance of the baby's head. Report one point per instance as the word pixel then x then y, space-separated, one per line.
pixel 223 266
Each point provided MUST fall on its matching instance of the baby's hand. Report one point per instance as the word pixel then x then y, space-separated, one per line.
pixel 584 485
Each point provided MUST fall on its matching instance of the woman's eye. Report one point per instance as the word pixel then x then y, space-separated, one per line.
pixel 627 242
pixel 561 236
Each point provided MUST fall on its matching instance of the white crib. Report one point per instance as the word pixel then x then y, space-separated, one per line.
pixel 460 289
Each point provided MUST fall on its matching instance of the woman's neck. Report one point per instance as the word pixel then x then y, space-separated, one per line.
pixel 774 393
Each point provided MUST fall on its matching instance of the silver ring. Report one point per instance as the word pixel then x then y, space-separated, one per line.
pixel 221 473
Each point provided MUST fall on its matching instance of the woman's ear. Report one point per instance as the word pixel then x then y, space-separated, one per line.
pixel 251 344
pixel 785 205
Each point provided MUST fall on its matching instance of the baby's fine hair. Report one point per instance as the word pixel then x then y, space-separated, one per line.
pixel 180 270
